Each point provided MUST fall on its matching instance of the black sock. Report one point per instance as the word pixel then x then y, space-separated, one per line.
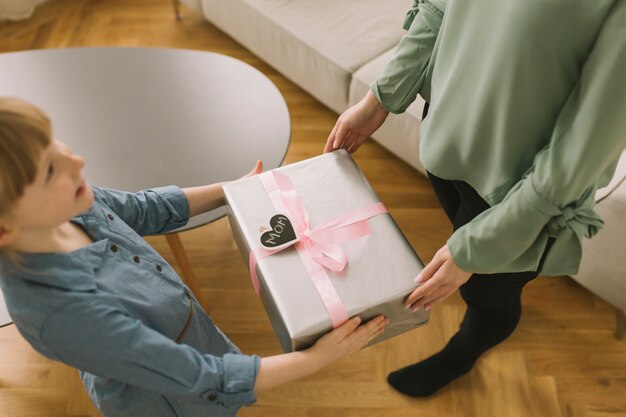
pixel 424 378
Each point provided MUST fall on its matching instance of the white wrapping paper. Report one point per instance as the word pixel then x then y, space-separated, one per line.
pixel 382 266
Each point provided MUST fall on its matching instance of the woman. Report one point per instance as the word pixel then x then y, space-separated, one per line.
pixel 527 119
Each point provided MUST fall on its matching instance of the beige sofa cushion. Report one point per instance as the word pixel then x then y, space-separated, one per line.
pixel 399 133
pixel 618 178
pixel 603 267
pixel 315 48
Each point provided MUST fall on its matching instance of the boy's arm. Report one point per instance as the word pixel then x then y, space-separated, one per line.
pixel 209 197
pixel 204 198
pixel 344 340
pixel 163 209
pixel 147 212
pixel 101 339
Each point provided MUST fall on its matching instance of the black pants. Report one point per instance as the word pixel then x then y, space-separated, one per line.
pixel 493 300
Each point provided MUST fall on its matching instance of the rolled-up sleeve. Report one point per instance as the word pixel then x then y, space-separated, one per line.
pixel 556 197
pixel 148 212
pixel 403 78
pixel 104 341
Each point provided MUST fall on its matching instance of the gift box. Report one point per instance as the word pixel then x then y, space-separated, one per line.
pixel 322 248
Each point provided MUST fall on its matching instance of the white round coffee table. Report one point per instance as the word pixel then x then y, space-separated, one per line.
pixel 146 117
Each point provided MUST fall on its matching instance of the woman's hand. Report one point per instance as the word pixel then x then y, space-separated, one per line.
pixel 356 124
pixel 347 339
pixel 439 279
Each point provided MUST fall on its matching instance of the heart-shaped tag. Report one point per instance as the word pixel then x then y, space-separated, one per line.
pixel 282 232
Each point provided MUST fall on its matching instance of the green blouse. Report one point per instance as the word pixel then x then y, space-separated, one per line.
pixel 528 106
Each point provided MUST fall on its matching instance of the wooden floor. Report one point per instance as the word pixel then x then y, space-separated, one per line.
pixel 562 361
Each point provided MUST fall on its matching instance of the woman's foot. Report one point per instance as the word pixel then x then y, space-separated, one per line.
pixel 424 378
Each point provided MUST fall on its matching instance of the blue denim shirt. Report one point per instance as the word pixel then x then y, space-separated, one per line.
pixel 114 310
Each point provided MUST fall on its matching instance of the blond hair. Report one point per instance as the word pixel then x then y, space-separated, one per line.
pixel 25 131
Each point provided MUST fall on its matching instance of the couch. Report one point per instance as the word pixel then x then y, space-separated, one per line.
pixel 603 267
pixel 18 9
pixel 334 49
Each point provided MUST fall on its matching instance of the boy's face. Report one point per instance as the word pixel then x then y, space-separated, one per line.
pixel 58 193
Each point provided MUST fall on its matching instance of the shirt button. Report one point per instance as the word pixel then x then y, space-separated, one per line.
pixel 159 268
pixel 110 216
pixel 212 397
pixel 113 248
pixel 136 259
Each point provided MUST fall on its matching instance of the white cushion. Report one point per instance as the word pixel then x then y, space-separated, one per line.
pixel 399 133
pixel 315 43
pixel 192 4
pixel 603 266
pixel 618 177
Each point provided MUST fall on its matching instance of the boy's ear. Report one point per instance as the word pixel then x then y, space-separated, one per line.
pixel 7 235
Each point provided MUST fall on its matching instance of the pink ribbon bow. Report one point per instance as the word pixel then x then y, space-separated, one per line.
pixel 319 247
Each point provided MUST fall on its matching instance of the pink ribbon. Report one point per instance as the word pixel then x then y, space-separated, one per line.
pixel 319 247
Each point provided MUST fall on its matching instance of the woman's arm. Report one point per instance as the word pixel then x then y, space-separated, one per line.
pixel 405 75
pixel 397 86
pixel 556 197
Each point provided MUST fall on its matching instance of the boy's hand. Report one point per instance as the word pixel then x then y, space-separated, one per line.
pixel 209 197
pixel 347 339
pixel 258 168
